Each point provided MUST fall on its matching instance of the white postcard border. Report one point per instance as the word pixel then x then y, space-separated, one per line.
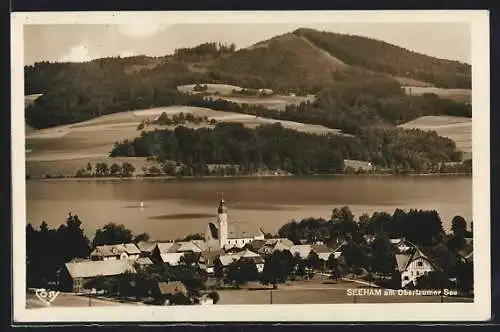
pixel 477 311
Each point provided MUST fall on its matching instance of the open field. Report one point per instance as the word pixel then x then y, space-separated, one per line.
pixel 357 164
pixel 410 82
pixel 460 95
pixel 317 292
pixel 456 128
pixel 225 92
pixel 223 89
pixel 63 149
pixel 277 102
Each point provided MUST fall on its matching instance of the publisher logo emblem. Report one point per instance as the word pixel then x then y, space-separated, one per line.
pixel 45 296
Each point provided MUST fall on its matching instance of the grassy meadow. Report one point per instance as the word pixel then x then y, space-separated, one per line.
pixel 456 128
pixel 64 149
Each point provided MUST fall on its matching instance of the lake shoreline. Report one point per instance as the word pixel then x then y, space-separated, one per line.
pixel 208 177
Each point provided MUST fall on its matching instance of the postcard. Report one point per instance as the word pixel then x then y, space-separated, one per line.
pixel 320 166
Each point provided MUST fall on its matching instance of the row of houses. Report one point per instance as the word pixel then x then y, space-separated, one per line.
pixel 112 260
pixel 227 242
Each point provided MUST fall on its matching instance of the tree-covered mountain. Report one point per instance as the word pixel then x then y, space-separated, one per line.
pixel 390 59
pixel 305 61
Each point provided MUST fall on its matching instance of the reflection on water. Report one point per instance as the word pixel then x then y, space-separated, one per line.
pixel 183 216
pixel 189 205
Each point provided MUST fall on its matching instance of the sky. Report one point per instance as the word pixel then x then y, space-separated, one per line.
pixel 80 43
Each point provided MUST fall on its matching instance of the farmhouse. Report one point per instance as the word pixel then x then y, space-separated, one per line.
pixel 272 245
pixel 323 252
pixel 76 274
pixel 413 265
pixel 228 259
pixel 115 252
pixel 401 245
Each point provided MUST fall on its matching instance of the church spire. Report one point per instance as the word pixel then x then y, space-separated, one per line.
pixel 222 206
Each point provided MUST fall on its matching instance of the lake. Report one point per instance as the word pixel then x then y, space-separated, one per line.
pixel 175 208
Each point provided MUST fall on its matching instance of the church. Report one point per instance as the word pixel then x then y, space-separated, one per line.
pixel 224 234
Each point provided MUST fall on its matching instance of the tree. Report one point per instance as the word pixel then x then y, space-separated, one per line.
pixel 242 271
pixel 465 276
pixel 112 234
pixel 89 167
pixel 189 259
pixel 101 169
pixel 354 257
pixel 335 267
pixel 214 296
pixel 313 261
pixel 277 268
pixel 459 229
pixel 299 265
pixel 73 239
pixel 218 269
pixel 141 237
pixel 383 260
pixel 114 169
pixel 127 169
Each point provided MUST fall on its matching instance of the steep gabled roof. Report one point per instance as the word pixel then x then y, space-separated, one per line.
pixel 165 247
pixel 228 259
pixel 242 230
pixel 188 246
pixel 402 261
pixel 146 246
pixel 104 268
pixel 144 261
pixel 172 287
pixel 302 249
pixel 115 250
pixel 172 258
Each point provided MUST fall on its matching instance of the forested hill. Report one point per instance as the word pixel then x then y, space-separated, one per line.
pixel 390 59
pixel 306 61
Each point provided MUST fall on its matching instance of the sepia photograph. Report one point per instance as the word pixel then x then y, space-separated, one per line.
pixel 286 166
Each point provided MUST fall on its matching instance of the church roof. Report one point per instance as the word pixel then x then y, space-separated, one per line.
pixel 242 230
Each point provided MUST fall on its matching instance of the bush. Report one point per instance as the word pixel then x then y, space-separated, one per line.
pixel 214 296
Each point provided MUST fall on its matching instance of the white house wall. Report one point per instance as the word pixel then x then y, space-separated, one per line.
pixel 414 270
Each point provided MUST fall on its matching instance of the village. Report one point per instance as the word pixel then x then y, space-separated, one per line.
pixel 238 263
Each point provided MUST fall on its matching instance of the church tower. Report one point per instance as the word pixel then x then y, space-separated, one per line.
pixel 222 222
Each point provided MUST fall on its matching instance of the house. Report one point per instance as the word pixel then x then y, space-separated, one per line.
pixel 412 265
pixel 115 252
pixel 466 254
pixel 146 247
pixel 143 261
pixel 171 258
pixel 302 250
pixel 272 245
pixel 161 249
pixel 206 300
pixel 207 260
pixel 168 289
pixel 77 274
pixel 322 251
pixel 225 232
pixel 228 259
pixel 401 245
pixel 267 92
pixel 188 246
